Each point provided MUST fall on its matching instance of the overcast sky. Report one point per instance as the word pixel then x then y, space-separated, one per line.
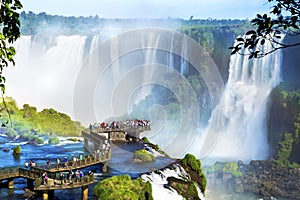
pixel 216 9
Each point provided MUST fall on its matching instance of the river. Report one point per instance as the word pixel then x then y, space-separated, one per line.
pixel 120 163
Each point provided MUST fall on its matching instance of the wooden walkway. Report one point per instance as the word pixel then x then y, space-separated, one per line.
pixel 63 184
pixel 53 170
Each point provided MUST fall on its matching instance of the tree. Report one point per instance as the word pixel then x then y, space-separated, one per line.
pixel 286 20
pixel 10 32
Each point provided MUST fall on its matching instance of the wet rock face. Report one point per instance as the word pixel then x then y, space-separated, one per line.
pixel 263 178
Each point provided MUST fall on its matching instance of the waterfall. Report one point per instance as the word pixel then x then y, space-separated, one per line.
pixel 45 71
pixel 48 67
pixel 158 182
pixel 237 128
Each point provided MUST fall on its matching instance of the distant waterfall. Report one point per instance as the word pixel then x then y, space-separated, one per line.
pixel 238 123
pixel 45 71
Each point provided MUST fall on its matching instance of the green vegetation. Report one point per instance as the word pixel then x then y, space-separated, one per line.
pixel 33 24
pixel 123 188
pixel 74 139
pixel 144 156
pixel 227 168
pixel 54 140
pixel 17 150
pixel 285 149
pixel 191 161
pixel 146 140
pixel 232 168
pixel 283 19
pixel 284 125
pixel 30 124
pixel 185 188
pixel 9 33
pixel 39 140
pixel 193 166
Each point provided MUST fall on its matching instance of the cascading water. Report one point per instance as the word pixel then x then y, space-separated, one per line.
pixel 45 71
pixel 238 123
pixel 159 180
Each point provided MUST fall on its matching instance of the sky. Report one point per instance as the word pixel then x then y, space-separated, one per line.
pixel 201 9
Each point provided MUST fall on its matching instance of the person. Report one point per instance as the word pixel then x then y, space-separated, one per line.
pixel 26 164
pixel 55 182
pixel 44 177
pixel 66 161
pixel 80 175
pixel 80 156
pixel 48 162
pixel 91 175
pixel 57 161
pixel 107 146
pixel 61 177
pixel 103 148
pixel 77 176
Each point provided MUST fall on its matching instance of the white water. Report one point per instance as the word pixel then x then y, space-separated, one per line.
pixel 159 179
pixel 237 128
pixel 47 69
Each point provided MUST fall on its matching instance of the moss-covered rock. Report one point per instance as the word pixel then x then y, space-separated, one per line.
pixel 143 156
pixel 232 168
pixel 193 166
pixel 123 188
pixel 185 188
pixel 54 140
pixel 17 150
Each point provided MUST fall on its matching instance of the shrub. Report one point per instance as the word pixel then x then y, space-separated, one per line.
pixel 123 188
pixel 146 140
pixel 54 140
pixel 144 156
pixel 193 162
pixel 39 140
pixel 232 168
pixel 285 149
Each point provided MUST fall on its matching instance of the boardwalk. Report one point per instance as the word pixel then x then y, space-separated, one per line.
pixel 53 169
pixel 34 175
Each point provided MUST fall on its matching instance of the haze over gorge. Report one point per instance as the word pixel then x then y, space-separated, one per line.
pixel 177 73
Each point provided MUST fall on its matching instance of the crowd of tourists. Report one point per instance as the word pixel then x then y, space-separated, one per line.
pixel 69 177
pixel 121 124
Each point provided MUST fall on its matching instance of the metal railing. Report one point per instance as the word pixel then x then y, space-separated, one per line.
pixel 37 171
pixel 54 183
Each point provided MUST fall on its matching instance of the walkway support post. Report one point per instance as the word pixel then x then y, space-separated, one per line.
pixel 104 167
pixel 85 192
pixel 11 183
pixel 30 184
pixel 48 194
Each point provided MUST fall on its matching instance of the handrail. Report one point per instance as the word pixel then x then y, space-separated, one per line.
pixel 38 170
pixel 60 184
